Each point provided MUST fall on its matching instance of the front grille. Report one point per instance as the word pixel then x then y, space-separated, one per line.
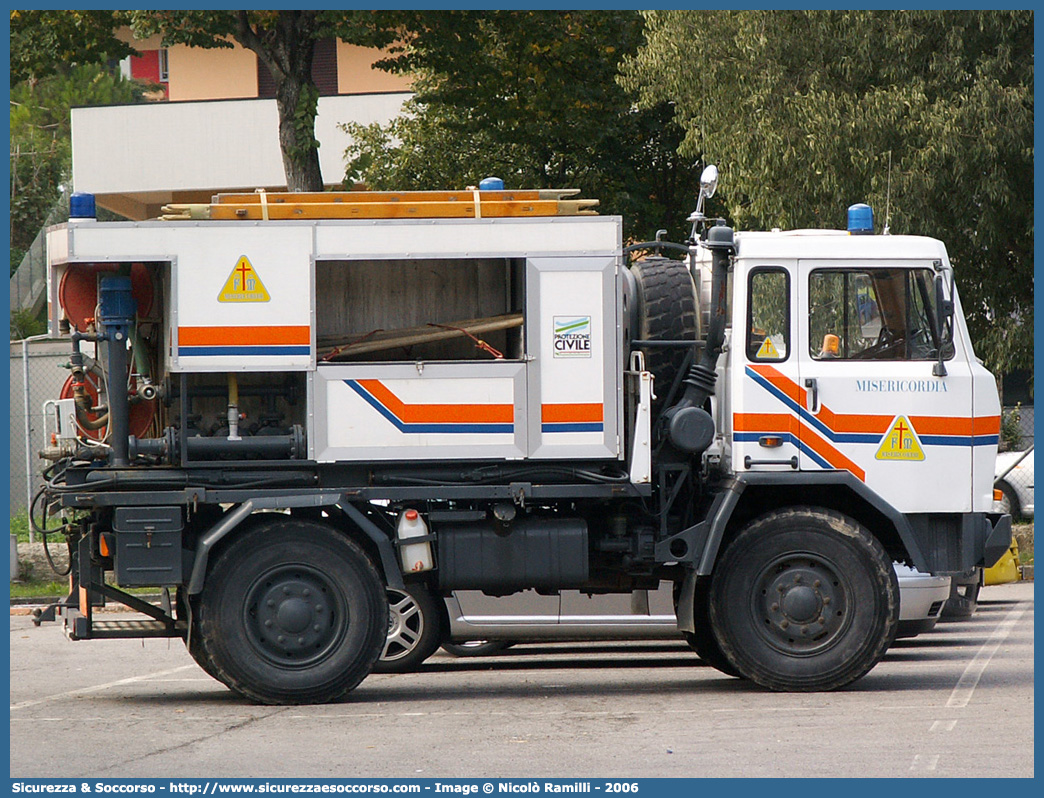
pixel 935 609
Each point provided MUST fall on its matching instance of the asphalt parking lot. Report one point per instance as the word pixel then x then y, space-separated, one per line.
pixel 957 702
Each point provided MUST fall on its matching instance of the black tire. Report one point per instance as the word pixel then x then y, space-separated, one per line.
pixel 804 599
pixel 964 596
pixel 292 612
pixel 703 641
pixel 414 629
pixel 192 641
pixel 476 648
pixel 667 311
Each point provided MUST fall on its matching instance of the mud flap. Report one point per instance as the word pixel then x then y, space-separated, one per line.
pixel 686 597
pixel 998 539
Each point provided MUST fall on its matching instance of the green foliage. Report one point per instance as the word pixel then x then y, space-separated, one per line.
pixel 25 324
pixel 303 123
pixel 45 42
pixel 1011 428
pixel 805 111
pixel 41 154
pixel 530 97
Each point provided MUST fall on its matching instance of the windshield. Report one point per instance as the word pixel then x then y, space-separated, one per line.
pixel 874 314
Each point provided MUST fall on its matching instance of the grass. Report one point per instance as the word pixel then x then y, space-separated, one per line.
pixel 20 527
pixel 21 590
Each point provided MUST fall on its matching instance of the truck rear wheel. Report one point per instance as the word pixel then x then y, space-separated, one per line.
pixel 667 311
pixel 292 613
pixel 192 641
pixel 804 599
pixel 414 629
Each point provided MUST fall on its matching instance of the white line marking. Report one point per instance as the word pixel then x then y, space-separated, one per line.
pixel 966 685
pixel 98 687
pixel 942 725
pixel 924 762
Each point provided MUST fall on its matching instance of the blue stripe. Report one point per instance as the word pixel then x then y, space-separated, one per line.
pixel 960 440
pixel 436 428
pixel 802 412
pixel 857 437
pixel 753 437
pixel 578 427
pixel 216 351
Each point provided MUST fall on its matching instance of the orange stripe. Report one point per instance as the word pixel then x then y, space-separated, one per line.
pixel 785 422
pixel 784 383
pixel 558 414
pixel 853 422
pixel 986 425
pixel 878 425
pixel 829 453
pixel 227 336
pixel 763 422
pixel 430 414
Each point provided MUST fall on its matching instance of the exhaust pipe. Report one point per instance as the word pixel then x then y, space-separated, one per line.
pixel 690 428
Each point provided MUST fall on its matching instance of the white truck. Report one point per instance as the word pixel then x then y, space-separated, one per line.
pixel 291 404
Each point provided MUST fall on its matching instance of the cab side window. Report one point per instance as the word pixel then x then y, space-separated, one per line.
pixel 874 314
pixel 768 315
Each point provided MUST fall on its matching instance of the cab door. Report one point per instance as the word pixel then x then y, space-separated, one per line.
pixel 866 350
pixel 763 387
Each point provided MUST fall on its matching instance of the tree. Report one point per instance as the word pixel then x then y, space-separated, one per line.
pixel 43 42
pixel 41 147
pixel 530 97
pixel 927 115
pixel 284 42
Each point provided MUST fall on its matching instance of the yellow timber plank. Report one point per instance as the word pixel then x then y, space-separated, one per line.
pixel 273 197
pixel 398 210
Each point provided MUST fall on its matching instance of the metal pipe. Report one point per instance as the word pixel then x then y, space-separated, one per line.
pixel 702 376
pixel 116 312
pixel 233 408
pixel 119 406
pixel 269 447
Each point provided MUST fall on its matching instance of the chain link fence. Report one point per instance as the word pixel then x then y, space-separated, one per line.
pixel 29 281
pixel 1015 462
pixel 42 363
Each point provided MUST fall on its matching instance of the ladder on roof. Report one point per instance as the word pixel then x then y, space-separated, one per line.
pixel 470 204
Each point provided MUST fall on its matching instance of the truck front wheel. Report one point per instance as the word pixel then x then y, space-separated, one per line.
pixel 804 599
pixel 703 641
pixel 292 612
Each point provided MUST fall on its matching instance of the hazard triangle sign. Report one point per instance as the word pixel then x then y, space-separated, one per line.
pixel 900 442
pixel 768 351
pixel 243 284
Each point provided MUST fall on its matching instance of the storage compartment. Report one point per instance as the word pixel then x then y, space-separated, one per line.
pixel 419 309
pixel 544 553
pixel 148 546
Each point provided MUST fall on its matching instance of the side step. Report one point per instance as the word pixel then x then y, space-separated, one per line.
pixel 78 628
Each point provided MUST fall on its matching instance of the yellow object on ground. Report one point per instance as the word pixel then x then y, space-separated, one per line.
pixel 1006 569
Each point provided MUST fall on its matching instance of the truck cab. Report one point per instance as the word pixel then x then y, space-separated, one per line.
pixel 850 354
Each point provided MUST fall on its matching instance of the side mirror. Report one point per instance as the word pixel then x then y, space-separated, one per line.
pixel 943 321
pixel 709 181
pixel 943 309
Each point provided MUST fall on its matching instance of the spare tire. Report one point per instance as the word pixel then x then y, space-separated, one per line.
pixel 667 311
